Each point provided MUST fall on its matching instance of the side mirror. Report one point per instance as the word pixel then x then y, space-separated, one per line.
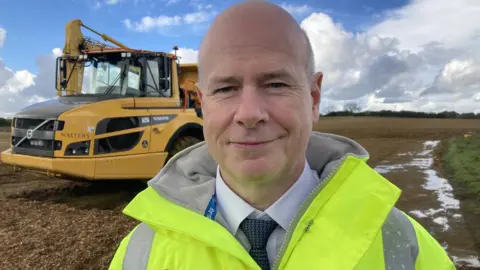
pixel 61 74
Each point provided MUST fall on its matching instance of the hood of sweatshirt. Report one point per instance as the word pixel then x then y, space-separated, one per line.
pixel 188 178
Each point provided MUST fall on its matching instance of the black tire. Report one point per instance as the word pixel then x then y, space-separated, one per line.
pixel 180 144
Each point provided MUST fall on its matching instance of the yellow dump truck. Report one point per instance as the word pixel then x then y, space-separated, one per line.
pixel 120 113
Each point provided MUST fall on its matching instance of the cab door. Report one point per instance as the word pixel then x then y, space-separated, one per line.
pixel 156 84
pixel 158 98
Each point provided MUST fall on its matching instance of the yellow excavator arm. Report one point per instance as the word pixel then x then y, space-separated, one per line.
pixel 74 41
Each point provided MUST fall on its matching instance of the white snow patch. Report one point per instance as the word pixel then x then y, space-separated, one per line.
pixel 431 143
pixel 418 213
pixel 423 160
pixel 388 168
pixel 426 213
pixel 471 261
pixel 457 216
pixel 442 221
pixel 435 183
pixel 442 188
pixel 422 163
pixel 432 211
pixel 425 152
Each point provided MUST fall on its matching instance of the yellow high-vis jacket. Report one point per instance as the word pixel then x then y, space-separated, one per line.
pixel 349 221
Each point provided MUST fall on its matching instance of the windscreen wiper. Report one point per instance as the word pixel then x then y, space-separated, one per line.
pixel 111 87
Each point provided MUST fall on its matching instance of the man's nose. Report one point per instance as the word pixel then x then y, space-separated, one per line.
pixel 250 109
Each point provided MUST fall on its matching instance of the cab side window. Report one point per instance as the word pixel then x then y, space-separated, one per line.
pixel 156 78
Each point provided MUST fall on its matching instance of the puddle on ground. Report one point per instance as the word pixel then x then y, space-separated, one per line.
pixel 429 199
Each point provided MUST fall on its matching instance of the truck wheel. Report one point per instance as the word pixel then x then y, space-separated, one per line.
pixel 180 144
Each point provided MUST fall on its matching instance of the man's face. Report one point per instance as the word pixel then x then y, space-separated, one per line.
pixel 258 109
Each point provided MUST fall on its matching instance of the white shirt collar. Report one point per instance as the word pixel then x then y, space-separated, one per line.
pixel 235 209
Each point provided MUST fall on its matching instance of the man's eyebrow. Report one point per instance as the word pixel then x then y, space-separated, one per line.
pixel 264 76
pixel 223 80
pixel 275 74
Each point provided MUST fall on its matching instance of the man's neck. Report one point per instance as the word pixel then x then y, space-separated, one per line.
pixel 262 194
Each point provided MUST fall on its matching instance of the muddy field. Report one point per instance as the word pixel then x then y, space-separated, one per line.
pixel 56 224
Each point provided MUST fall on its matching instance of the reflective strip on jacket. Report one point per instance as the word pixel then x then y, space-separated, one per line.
pixel 350 224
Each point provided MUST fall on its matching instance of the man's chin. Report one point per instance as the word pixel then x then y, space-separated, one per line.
pixel 255 168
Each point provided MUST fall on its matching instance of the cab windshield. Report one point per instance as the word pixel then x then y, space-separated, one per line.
pixel 111 77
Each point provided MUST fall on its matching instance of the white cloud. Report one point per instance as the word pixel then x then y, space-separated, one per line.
pixel 18 82
pixel 386 67
pixel 171 2
pixel 45 78
pixel 128 24
pixel 57 52
pixel 453 23
pixel 358 64
pixel 96 5
pixel 12 82
pixel 200 5
pixel 148 23
pixel 3 36
pixel 187 55
pixel 477 97
pixel 197 17
pixel 5 73
pixel 22 88
pixel 112 2
pixel 296 9
pixel 458 76
pixel 12 85
pixel 203 14
pixel 36 99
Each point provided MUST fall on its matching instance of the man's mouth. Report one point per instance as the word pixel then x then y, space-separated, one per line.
pixel 251 143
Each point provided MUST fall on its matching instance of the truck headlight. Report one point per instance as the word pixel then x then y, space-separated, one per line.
pixel 40 143
pixel 78 149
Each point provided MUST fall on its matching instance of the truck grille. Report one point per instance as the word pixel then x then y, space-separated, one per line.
pixel 35 137
pixel 24 123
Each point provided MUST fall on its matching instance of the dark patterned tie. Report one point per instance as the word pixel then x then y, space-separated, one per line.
pixel 257 232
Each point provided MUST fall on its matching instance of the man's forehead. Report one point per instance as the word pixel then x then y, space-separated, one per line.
pixel 252 23
pixel 256 59
pixel 252 27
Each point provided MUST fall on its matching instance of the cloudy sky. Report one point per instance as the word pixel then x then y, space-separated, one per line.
pixel 421 55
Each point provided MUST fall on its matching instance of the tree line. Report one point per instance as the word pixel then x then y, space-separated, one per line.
pixel 5 122
pixel 405 114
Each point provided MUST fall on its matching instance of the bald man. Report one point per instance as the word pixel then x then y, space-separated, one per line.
pixel 263 191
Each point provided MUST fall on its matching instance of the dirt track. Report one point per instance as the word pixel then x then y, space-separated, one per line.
pixel 56 224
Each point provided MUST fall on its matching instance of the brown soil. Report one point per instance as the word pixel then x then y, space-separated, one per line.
pixel 4 140
pixel 52 223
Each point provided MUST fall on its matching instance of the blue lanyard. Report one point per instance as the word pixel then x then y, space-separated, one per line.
pixel 211 210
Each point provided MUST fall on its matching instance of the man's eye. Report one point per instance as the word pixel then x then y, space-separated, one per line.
pixel 223 89
pixel 276 85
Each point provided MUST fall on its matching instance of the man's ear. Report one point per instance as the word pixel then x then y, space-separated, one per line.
pixel 316 95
